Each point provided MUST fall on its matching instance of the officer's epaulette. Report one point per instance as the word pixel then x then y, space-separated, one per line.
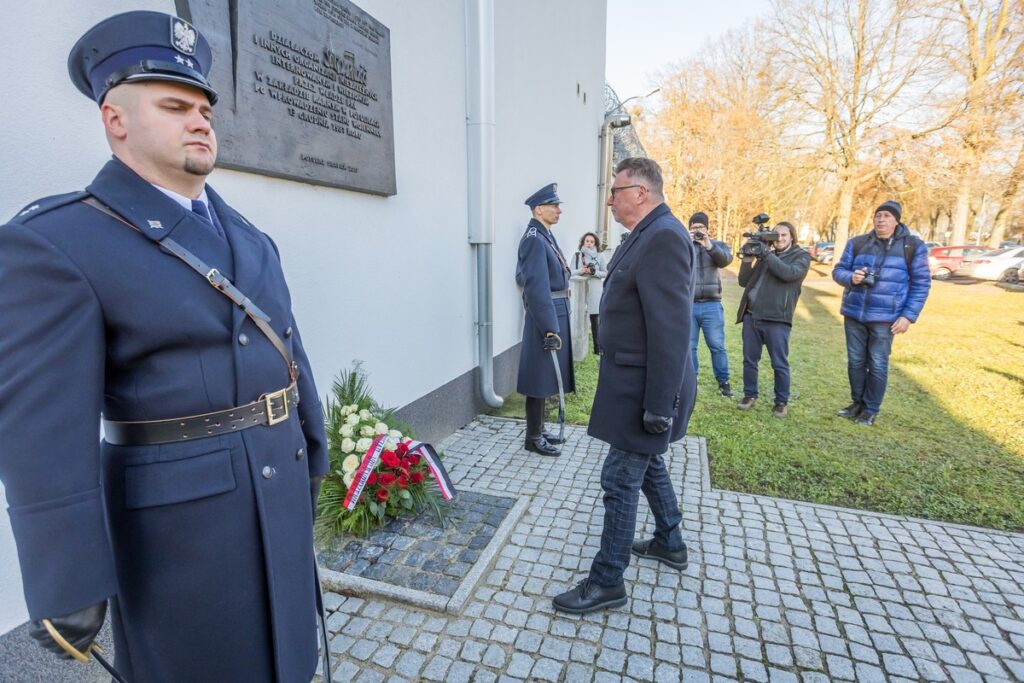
pixel 47 204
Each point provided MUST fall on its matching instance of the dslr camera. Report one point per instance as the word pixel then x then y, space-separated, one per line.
pixel 699 235
pixel 759 240
pixel 870 277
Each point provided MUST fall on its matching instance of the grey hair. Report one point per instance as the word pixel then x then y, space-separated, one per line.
pixel 645 169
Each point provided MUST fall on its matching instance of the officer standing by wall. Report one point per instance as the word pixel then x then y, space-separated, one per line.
pixel 543 274
pixel 197 529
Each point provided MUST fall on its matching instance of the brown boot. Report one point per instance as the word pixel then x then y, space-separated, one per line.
pixel 780 410
pixel 747 403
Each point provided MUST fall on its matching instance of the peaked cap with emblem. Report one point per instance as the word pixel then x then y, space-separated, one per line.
pixel 545 195
pixel 140 46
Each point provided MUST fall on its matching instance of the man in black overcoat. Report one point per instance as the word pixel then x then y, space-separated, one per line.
pixel 647 387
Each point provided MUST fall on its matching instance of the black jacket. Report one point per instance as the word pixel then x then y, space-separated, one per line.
pixel 777 296
pixel 708 281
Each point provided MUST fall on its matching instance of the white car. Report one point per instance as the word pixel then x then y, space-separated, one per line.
pixel 1001 264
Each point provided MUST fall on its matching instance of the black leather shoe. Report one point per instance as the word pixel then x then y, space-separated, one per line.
pixel 724 389
pixel 866 419
pixel 540 445
pixel 588 596
pixel 553 438
pixel 851 411
pixel 651 550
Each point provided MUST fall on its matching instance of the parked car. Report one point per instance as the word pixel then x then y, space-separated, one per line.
pixel 944 261
pixel 825 255
pixel 931 245
pixel 813 251
pixel 1001 265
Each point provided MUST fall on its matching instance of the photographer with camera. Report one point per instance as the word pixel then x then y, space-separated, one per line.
pixel 887 280
pixel 709 256
pixel 772 270
pixel 589 265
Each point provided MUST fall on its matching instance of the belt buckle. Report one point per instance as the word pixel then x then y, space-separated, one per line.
pixel 267 400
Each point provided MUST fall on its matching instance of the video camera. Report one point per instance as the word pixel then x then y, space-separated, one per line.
pixel 759 240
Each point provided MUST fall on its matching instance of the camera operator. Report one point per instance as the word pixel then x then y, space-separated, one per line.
pixel 886 278
pixel 590 266
pixel 771 278
pixel 710 255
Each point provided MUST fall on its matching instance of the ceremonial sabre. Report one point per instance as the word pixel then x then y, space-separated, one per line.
pixel 79 656
pixel 325 655
pixel 561 396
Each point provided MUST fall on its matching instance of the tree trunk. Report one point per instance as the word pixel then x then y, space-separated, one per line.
pixel 961 211
pixel 942 227
pixel 843 217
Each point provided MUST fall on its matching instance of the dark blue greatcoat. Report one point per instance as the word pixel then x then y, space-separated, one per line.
pixel 204 546
pixel 540 272
pixel 644 337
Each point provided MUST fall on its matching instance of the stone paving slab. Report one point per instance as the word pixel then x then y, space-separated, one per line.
pixel 776 590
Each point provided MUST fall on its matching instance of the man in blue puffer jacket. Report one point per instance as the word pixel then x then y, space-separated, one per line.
pixel 886 277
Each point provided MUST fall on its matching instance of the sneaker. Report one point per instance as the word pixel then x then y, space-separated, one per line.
pixel 747 403
pixel 780 410
pixel 851 411
pixel 723 388
pixel 866 419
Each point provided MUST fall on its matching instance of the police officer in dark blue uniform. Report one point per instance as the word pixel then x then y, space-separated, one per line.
pixel 149 301
pixel 543 273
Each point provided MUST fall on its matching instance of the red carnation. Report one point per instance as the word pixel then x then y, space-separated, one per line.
pixel 416 477
pixel 402 449
pixel 389 459
pixel 386 479
pixel 382 495
pixel 403 481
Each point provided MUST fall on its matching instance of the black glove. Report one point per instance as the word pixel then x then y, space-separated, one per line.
pixel 78 628
pixel 656 424
pixel 552 342
pixel 314 492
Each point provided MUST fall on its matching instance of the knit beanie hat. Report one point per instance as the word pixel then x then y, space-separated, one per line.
pixel 700 217
pixel 892 207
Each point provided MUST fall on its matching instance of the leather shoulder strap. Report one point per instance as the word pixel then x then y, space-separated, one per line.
pixel 218 281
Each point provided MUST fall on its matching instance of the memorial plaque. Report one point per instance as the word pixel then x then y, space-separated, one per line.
pixel 305 90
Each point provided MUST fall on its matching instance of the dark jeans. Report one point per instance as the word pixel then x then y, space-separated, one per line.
pixel 867 361
pixel 774 336
pixel 708 316
pixel 593 331
pixel 623 476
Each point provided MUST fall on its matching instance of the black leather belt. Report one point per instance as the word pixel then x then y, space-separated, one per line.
pixel 564 294
pixel 270 409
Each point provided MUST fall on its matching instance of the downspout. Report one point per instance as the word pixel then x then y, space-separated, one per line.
pixel 480 109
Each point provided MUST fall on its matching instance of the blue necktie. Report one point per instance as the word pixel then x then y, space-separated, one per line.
pixel 200 209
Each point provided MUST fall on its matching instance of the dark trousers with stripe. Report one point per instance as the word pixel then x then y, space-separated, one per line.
pixel 623 477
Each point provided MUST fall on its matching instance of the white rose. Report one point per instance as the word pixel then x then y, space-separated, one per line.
pixel 364 414
pixel 395 434
pixel 350 464
pixel 363 445
pixel 349 476
pixel 366 430
pixel 347 445
pixel 390 444
pixel 354 408
pixel 344 410
pixel 380 428
pixel 352 419
pixel 346 430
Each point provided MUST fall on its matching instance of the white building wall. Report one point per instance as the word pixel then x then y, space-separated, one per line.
pixel 389 281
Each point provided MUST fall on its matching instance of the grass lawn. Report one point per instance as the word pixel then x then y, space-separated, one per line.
pixel 948 444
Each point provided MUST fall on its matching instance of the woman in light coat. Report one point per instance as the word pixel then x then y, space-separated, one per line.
pixel 590 266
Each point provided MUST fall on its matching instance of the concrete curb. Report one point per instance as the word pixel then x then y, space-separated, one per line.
pixel 347 584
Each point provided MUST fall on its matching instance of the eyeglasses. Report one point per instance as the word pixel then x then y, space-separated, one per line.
pixel 613 190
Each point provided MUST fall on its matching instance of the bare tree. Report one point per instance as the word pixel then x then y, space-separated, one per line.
pixel 857 69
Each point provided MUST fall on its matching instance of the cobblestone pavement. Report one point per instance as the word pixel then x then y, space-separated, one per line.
pixel 775 591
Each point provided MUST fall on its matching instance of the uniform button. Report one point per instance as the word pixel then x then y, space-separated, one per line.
pixel 288 332
pixel 268 472
pixel 300 454
pixel 243 339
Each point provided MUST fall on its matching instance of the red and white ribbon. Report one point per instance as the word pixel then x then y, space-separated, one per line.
pixel 364 471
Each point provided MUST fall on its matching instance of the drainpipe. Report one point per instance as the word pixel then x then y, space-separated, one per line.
pixel 480 109
pixel 611 121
